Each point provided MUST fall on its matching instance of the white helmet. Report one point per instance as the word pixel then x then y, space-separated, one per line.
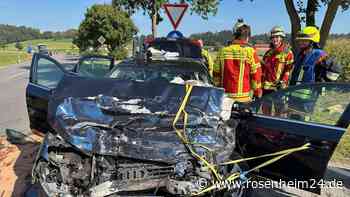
pixel 240 23
pixel 277 31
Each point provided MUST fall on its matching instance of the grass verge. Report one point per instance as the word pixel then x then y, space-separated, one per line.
pixel 342 152
pixel 12 57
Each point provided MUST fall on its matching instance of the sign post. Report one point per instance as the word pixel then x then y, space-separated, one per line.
pixel 175 13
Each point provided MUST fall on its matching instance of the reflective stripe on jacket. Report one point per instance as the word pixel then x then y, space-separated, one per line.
pixel 239 71
pixel 209 60
pixel 276 67
pixel 305 66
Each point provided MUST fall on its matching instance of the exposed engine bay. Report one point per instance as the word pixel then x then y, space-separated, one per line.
pixel 122 142
pixel 69 173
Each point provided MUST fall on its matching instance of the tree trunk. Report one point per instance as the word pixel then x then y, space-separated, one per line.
pixel 311 12
pixel 328 20
pixel 154 25
pixel 295 22
pixel 154 19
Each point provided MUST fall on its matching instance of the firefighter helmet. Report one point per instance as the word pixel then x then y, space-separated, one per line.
pixel 239 24
pixel 309 33
pixel 277 31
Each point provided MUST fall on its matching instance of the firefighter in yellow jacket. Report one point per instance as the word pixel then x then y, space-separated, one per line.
pixel 238 68
pixel 207 57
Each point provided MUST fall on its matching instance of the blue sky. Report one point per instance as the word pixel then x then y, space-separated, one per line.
pixel 59 15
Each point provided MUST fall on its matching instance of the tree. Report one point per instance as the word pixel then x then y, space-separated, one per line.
pixel 113 24
pixel 153 8
pixel 47 34
pixel 307 14
pixel 304 11
pixel 11 34
pixel 19 45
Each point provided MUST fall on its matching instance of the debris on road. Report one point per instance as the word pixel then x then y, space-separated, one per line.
pixel 16 161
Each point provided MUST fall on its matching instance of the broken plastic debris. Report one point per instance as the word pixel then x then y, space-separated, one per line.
pixel 178 80
pixel 17 137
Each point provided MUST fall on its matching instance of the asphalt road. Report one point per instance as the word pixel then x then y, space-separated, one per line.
pixel 13 115
pixel 13 83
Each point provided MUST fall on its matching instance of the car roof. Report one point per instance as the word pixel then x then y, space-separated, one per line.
pixel 189 64
pixel 164 39
pixel 184 46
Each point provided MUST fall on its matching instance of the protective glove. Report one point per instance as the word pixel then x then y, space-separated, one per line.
pixel 281 85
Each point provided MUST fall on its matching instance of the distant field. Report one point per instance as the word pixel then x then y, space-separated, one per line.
pixel 11 56
pixel 56 46
pixel 59 44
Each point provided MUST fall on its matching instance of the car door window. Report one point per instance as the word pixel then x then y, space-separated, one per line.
pixel 322 104
pixel 95 67
pixel 48 73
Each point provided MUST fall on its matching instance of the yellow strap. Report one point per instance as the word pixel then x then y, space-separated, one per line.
pixel 305 146
pixel 212 167
pixel 182 135
pixel 236 175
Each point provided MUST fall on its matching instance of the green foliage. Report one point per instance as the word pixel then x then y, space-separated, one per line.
pixel 204 8
pixel 221 38
pixel 119 54
pixel 340 48
pixel 88 52
pixel 305 7
pixel 213 39
pixel 149 7
pixel 107 21
pixel 9 34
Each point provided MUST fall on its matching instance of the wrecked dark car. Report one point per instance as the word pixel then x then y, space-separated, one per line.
pixel 127 137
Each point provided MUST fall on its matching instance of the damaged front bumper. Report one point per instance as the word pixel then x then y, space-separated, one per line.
pixel 125 144
pixel 62 170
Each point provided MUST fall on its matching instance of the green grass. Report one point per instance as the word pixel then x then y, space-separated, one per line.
pixel 59 44
pixel 342 152
pixel 10 55
pixel 54 45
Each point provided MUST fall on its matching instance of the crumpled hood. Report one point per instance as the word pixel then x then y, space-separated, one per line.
pixel 133 119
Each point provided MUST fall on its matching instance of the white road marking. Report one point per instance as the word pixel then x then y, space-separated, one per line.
pixel 17 75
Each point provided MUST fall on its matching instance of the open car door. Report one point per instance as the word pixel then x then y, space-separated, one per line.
pixel 45 74
pixel 313 113
pixel 94 66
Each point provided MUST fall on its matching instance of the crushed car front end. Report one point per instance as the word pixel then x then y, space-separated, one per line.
pixel 118 138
